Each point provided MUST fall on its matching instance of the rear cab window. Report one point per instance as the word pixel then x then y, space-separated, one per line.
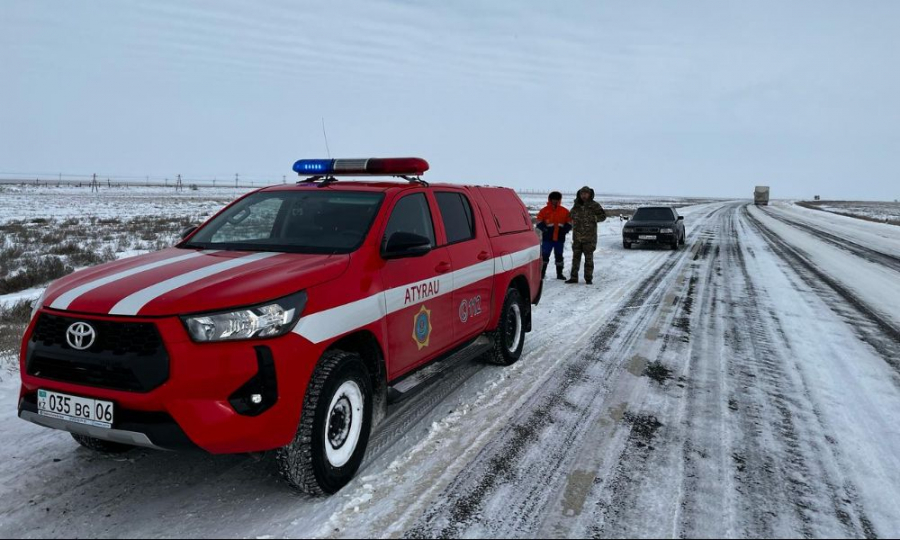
pixel 457 216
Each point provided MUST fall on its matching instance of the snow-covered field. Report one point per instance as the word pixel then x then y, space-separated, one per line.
pixel 885 212
pixel 613 204
pixel 30 202
pixel 746 385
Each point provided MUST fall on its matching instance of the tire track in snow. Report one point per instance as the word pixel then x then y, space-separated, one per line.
pixel 750 439
pixel 870 326
pixel 515 467
pixel 866 253
pixel 805 478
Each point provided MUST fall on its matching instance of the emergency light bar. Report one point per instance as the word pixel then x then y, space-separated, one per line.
pixel 362 167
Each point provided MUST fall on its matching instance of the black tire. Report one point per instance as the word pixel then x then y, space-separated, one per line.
pixel 101 446
pixel 305 464
pixel 626 245
pixel 675 244
pixel 509 337
pixel 684 239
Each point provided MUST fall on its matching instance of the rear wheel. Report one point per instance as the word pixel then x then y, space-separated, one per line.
pixel 509 337
pixel 98 445
pixel 334 428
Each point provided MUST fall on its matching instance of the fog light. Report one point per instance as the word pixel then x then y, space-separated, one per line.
pixel 260 392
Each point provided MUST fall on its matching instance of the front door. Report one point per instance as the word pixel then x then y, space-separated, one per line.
pixel 417 299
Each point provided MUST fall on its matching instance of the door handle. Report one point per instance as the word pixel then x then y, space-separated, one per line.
pixel 443 268
pixel 483 256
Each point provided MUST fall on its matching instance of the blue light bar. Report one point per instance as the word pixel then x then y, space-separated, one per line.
pixel 361 167
pixel 314 166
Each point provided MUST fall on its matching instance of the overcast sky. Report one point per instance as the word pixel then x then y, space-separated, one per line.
pixel 654 98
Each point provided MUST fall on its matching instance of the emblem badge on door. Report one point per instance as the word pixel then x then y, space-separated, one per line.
pixel 422 328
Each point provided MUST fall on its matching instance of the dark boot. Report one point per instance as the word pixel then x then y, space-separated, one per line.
pixel 589 281
pixel 544 271
pixel 573 280
pixel 559 273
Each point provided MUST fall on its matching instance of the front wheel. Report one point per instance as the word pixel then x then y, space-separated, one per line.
pixel 334 427
pixel 509 337
pixel 626 245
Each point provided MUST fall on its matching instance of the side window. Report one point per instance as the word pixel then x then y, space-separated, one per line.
pixel 411 215
pixel 254 222
pixel 457 215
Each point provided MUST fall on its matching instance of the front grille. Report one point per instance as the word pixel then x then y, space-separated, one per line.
pixel 125 355
pixel 645 230
pixel 89 374
pixel 139 339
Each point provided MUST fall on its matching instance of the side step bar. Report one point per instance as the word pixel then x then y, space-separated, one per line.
pixel 410 384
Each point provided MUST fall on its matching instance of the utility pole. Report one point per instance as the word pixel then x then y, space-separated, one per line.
pixel 179 186
pixel 236 176
pixel 95 185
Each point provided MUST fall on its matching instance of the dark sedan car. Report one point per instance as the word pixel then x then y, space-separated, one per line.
pixel 654 226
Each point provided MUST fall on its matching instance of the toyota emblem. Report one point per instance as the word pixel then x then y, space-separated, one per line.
pixel 81 336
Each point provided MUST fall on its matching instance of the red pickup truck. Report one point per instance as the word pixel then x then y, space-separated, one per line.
pixel 289 321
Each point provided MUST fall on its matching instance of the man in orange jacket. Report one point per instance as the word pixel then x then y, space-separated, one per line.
pixel 555 223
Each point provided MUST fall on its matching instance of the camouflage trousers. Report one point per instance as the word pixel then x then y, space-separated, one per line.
pixel 579 248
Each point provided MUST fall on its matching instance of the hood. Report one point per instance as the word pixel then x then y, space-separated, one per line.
pixel 578 200
pixel 657 223
pixel 180 281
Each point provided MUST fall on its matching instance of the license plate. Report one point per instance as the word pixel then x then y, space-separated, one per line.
pixel 647 237
pixel 90 412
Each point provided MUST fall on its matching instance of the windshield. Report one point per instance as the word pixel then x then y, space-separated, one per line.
pixel 654 214
pixel 318 222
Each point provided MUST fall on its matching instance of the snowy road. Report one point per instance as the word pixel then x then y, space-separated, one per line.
pixel 744 386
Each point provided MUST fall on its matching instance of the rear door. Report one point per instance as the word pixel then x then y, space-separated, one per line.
pixel 418 299
pixel 473 267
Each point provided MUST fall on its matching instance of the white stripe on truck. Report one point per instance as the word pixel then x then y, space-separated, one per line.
pixel 65 300
pixel 133 304
pixel 334 322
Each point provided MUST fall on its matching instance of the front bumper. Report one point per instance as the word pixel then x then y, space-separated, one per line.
pixel 205 400
pixel 661 238
pixel 149 430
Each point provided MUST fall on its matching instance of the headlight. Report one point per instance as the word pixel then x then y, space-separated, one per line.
pixel 629 229
pixel 666 231
pixel 268 320
pixel 37 305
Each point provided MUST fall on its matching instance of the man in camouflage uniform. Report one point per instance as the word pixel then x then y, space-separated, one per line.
pixel 585 215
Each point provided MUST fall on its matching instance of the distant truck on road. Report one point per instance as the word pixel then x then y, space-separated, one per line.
pixel 761 196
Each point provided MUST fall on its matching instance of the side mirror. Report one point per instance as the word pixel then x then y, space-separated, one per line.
pixel 188 231
pixel 680 218
pixel 402 245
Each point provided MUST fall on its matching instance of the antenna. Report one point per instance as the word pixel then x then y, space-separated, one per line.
pixel 326 138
